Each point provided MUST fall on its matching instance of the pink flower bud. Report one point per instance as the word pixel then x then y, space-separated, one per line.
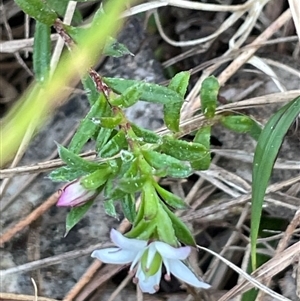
pixel 74 194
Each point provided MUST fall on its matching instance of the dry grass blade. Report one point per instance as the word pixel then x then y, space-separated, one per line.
pixel 19 297
pixel 275 265
pixel 250 279
pixel 49 261
pixel 295 9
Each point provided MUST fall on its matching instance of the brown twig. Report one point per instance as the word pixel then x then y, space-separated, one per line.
pixel 30 218
pixel 254 46
pixel 19 297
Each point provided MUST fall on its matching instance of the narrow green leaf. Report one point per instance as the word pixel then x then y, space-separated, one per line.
pixel 90 89
pixel 147 135
pixel 41 52
pixel 151 201
pixel 60 6
pixel 75 215
pixel 97 178
pixel 110 122
pixel 183 150
pixel 143 230
pixel 103 136
pixel 140 214
pixel 129 97
pixel 182 232
pixel 38 10
pixel 66 174
pixel 255 130
pixel 74 161
pixel 170 165
pixel 172 115
pixel 165 229
pixel 179 83
pixel 132 184
pixel 266 151
pixel 115 49
pixel 150 92
pixel 171 199
pixel 110 209
pixel 114 145
pixel 237 123
pixel 209 96
pixel 88 126
pixel 203 137
pixel 128 207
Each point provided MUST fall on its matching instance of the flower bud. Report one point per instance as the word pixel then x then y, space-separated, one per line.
pixel 74 194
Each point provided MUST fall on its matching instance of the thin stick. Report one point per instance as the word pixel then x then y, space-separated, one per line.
pixel 19 297
pixel 30 218
pixel 60 42
pixel 245 56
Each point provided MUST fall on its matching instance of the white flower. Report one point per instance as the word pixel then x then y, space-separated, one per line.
pixel 149 258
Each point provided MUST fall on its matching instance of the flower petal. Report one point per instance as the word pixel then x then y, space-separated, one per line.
pixel 123 242
pixel 182 272
pixel 167 251
pixel 150 284
pixel 74 194
pixel 114 255
pixel 151 254
pixel 136 259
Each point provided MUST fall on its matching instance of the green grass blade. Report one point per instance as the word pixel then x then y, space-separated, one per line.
pixel 41 51
pixel 267 148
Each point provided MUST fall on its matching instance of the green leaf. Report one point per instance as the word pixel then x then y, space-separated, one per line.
pixel 110 209
pixel 88 126
pixel 179 83
pixel 76 214
pixel 132 184
pixel 182 232
pixel 172 166
pixel 97 178
pixel 172 115
pixel 150 92
pixel 164 225
pixel 41 52
pixel 183 150
pixel 266 151
pixel 147 135
pixel 38 10
pixel 237 123
pixel 209 96
pixel 60 6
pixel 111 122
pixel 90 89
pixel 115 49
pixel 74 161
pixel 140 214
pixel 103 136
pixel 203 136
pixel 255 130
pixel 128 207
pixel 114 145
pixel 129 97
pixel 151 201
pixel 171 199
pixel 66 174
pixel 143 230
